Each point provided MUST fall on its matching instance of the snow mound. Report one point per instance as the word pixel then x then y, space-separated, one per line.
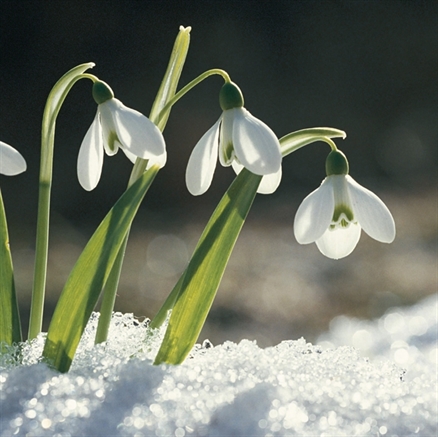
pixel 292 389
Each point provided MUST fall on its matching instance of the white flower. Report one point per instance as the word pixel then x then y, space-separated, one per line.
pixel 11 161
pixel 240 139
pixel 114 126
pixel 333 215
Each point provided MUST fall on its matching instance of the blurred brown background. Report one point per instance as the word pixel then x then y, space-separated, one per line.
pixel 367 67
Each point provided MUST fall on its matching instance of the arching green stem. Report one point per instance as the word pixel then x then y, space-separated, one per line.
pixel 189 86
pixel 295 140
pixel 53 106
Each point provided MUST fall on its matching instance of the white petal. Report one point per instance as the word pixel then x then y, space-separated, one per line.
pixel 202 161
pixel 315 214
pixel 340 242
pixel 268 184
pixel 226 148
pixel 129 155
pixel 161 160
pixel 90 158
pixel 371 213
pixel 11 161
pixel 138 134
pixel 111 142
pixel 341 192
pixel 255 144
pixel 237 167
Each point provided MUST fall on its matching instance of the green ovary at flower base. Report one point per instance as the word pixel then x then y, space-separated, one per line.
pixel 11 161
pixel 240 140
pixel 116 126
pixel 333 215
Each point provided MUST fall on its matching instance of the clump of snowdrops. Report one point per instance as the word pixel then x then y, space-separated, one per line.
pixel 332 216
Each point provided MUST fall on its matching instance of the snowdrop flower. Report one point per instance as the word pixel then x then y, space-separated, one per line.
pixel 240 140
pixel 333 215
pixel 116 126
pixel 11 161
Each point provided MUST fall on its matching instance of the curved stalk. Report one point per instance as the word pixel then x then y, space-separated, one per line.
pixel 183 91
pixel 53 106
pixel 295 140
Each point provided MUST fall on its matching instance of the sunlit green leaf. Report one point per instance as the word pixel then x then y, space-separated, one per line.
pixel 165 93
pixel 168 304
pixel 171 77
pixel 204 272
pixel 88 277
pixel 10 330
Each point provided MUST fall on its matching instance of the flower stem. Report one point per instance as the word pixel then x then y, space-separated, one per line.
pixel 53 106
pixel 41 255
pixel 295 140
pixel 189 86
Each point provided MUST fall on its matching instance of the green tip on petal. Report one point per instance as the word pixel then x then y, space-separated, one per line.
pixel 343 215
pixel 230 96
pixel 336 163
pixel 102 92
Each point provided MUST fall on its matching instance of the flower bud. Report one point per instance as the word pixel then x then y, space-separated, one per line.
pixel 230 96
pixel 102 92
pixel 336 163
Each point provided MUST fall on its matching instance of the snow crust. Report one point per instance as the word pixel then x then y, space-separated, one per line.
pixel 292 389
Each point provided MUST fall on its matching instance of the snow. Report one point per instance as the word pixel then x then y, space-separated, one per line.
pixel 364 378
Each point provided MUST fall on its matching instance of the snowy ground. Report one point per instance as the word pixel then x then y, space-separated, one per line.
pixel 365 378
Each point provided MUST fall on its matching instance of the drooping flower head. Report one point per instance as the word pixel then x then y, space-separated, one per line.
pixel 11 161
pixel 333 215
pixel 238 139
pixel 117 126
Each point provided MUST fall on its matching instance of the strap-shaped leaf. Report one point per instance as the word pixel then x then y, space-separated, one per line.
pixel 204 272
pixel 171 77
pixel 10 329
pixel 159 116
pixel 88 277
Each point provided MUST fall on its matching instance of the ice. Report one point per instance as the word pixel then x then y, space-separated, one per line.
pixel 365 378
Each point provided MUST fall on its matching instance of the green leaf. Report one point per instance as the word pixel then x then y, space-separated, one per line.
pixel 171 77
pixel 168 304
pixel 10 328
pixel 205 270
pixel 88 277
pixel 159 117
